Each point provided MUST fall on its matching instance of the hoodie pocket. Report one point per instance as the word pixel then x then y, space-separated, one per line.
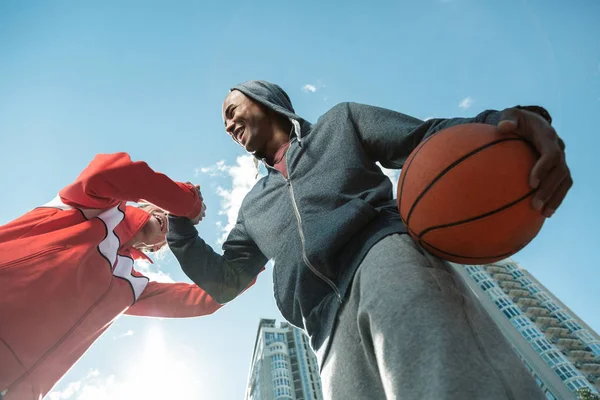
pixel 30 257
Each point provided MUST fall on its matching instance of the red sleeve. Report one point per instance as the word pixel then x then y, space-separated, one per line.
pixel 113 178
pixel 173 300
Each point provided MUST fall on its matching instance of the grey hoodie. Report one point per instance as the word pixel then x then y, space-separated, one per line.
pixel 318 224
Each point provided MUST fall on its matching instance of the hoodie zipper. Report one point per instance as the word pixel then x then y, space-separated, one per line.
pixel 301 231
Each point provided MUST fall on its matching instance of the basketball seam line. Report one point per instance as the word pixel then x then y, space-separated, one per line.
pixel 450 167
pixel 486 214
pixel 419 147
pixel 503 255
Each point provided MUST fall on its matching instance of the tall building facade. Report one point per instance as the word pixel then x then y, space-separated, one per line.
pixel 559 349
pixel 283 365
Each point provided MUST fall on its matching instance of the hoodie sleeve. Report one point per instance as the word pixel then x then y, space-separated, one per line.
pixel 222 276
pixel 173 300
pixel 113 178
pixel 389 136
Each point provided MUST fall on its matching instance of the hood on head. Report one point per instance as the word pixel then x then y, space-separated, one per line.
pixel 275 98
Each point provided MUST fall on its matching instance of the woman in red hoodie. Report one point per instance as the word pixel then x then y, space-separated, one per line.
pixel 66 269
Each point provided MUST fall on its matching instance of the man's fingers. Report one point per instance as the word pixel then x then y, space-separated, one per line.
pixel 551 158
pixel 509 121
pixel 549 185
pixel 558 196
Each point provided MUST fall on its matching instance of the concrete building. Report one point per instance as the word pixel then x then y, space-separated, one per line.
pixel 283 365
pixel 559 349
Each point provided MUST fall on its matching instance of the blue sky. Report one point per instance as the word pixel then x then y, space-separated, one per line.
pixel 80 78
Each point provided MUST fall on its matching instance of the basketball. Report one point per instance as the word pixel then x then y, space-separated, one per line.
pixel 464 194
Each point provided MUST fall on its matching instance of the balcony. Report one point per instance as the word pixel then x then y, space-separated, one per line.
pixel 502 276
pixel 492 269
pixel 593 378
pixel 568 343
pixel 510 285
pixel 545 322
pixel 517 293
pixel 535 311
pixel 580 355
pixel 591 367
pixel 556 332
pixel 526 301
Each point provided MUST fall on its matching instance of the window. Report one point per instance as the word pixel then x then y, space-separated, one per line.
pixel 576 384
pixel 471 269
pixel 552 307
pixel 533 289
pixel 496 293
pixel 502 303
pixel 595 348
pixel 541 345
pixel 543 297
pixel 521 322
pixel 553 358
pixel 511 312
pixel 573 326
pixel 562 316
pixel 538 381
pixel 585 337
pixel 278 364
pixel 510 267
pixel 565 372
pixel 525 281
pixel 486 285
pixel 549 395
pixel 517 274
pixel 531 333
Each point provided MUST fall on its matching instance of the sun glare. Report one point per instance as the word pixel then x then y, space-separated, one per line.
pixel 157 374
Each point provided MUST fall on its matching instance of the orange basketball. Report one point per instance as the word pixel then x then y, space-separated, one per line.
pixel 464 194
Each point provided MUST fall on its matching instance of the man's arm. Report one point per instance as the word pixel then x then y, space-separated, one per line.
pixel 225 276
pixel 389 137
pixel 173 300
pixel 113 178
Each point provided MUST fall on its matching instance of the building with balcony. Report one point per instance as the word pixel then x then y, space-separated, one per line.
pixel 559 349
pixel 283 365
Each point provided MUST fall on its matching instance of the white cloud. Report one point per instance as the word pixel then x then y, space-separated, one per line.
pixel 74 387
pixel 152 271
pixel 160 371
pixel 394 175
pixel 309 88
pixel 466 103
pixel 121 336
pixel 428 118
pixel 243 177
pixel 215 170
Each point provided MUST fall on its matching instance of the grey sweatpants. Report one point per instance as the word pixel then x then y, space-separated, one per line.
pixel 409 330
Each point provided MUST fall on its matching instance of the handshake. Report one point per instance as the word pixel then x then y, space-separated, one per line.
pixel 202 212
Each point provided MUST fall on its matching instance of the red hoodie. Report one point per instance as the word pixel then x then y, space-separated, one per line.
pixel 65 274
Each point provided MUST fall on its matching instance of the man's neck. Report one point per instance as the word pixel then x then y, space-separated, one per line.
pixel 280 138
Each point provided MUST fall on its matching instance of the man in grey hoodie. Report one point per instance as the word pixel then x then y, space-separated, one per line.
pixel 387 319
